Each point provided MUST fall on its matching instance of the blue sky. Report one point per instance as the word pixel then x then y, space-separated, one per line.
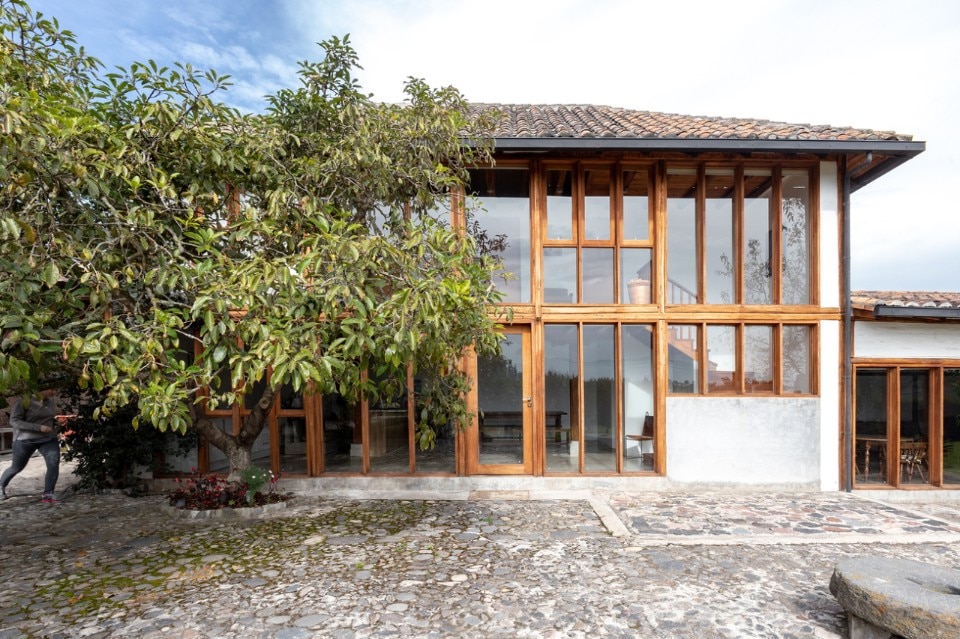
pixel 878 64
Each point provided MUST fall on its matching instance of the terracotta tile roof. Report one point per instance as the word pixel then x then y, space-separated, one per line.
pixel 587 121
pixel 905 303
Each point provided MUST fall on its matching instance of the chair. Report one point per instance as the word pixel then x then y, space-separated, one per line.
pixel 646 435
pixel 913 457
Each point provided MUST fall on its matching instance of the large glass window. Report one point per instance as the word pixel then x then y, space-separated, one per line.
pixel 636 205
pixel 871 425
pixel 755 349
pixel 795 242
pixel 757 359
pixel 638 398
pixel 683 374
pixel 951 426
pixel 559 204
pixel 561 397
pixel 504 218
pixel 596 204
pixel 720 256
pixel 757 222
pixel 599 399
pixel 682 267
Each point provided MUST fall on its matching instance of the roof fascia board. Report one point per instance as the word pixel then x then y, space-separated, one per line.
pixel 893 147
pixel 906 312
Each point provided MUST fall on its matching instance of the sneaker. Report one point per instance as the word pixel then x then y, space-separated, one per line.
pixel 50 498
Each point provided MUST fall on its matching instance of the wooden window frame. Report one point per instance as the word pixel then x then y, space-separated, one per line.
pixel 739 389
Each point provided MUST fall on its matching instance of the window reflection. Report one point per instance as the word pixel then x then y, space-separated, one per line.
pixel 559 204
pixel 721 262
pixel 559 275
pixel 504 218
pixel 758 359
pixel 636 205
pixel 599 399
pixel 596 204
pixel 638 397
pixel 796 237
pixel 683 359
pixel 682 271
pixel 635 275
pixel 597 276
pixel 561 397
pixel 721 359
pixel 757 212
pixel 796 359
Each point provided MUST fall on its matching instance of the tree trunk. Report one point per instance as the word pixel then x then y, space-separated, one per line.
pixel 237 448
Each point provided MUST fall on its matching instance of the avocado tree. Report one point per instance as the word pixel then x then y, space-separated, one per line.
pixel 157 243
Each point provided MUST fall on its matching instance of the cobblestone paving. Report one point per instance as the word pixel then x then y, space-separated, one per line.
pixel 113 566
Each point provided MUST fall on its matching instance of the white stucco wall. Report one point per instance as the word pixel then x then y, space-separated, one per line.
pixel 903 340
pixel 829 236
pixel 744 441
pixel 830 390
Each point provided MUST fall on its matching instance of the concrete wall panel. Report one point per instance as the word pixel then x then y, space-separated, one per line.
pixel 744 440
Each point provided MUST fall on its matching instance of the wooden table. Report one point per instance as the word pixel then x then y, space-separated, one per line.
pixel 868 442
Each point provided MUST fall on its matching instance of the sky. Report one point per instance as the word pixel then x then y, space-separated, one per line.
pixel 870 64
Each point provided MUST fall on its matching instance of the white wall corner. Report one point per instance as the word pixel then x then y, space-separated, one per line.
pixel 831 362
pixel 829 235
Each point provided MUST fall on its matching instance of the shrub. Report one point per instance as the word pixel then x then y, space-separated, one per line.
pixel 109 449
pixel 213 493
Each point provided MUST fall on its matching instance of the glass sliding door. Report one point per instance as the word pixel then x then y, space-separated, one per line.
pixel 505 407
pixel 636 356
pixel 561 397
pixel 599 399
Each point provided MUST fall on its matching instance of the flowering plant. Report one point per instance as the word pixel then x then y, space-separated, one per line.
pixel 213 493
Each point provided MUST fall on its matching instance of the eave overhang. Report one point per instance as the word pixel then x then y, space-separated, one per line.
pixel 876 157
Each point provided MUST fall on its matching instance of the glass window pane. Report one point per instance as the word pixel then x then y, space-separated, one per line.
pixel 342 437
pixel 596 204
pixel 559 275
pixel 758 359
pixel 683 364
pixel 253 396
pixel 635 275
pixel 682 272
pixel 293 445
pixel 796 359
pixel 218 462
pixel 638 398
pixel 290 399
pixel 504 219
pixel 599 399
pixel 951 426
pixel 389 431
pixel 871 425
pixel 914 426
pixel 721 359
pixel 636 205
pixel 597 276
pixel 442 457
pixel 720 257
pixel 757 275
pixel 561 397
pixel 796 237
pixel 559 204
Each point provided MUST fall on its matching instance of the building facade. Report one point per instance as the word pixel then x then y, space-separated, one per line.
pixel 679 305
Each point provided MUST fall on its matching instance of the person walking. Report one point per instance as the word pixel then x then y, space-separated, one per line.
pixel 34 426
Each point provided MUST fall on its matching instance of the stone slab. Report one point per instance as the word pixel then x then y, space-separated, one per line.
pixel 908 598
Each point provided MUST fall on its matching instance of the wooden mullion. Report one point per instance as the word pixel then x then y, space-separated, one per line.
pixel 739 228
pixel 661 363
pixel 893 426
pixel 701 234
pixel 814 220
pixel 365 429
pixel 935 397
pixel 776 234
pixel 658 220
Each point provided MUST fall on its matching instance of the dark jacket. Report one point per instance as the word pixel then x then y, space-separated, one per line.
pixel 27 420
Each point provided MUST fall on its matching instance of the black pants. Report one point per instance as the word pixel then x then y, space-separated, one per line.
pixel 22 450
